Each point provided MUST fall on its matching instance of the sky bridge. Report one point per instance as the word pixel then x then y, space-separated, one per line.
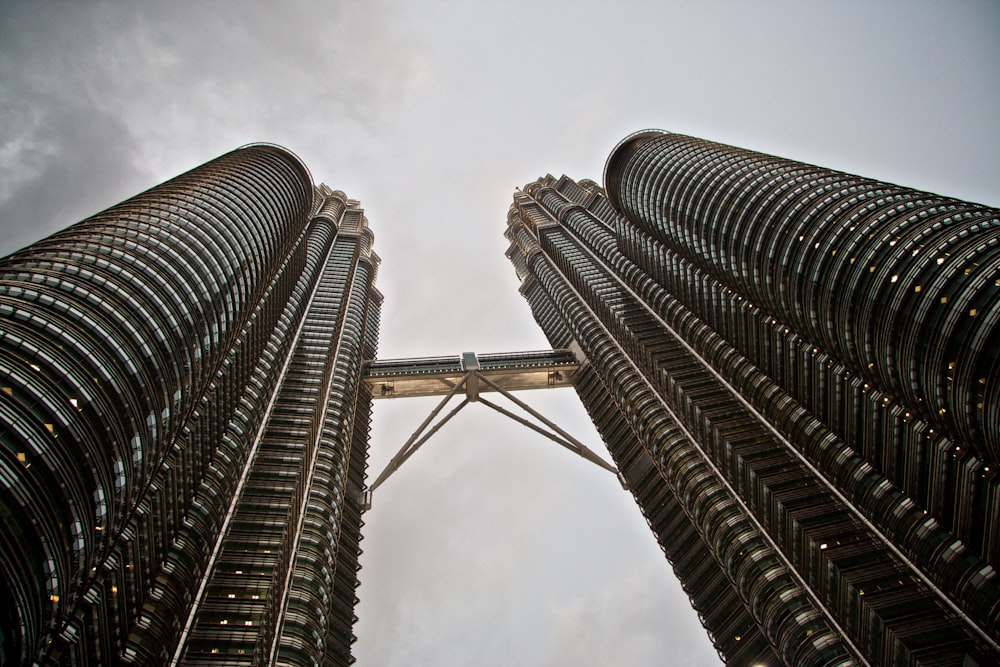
pixel 469 375
pixel 438 376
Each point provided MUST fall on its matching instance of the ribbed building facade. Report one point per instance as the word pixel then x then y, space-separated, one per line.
pixel 183 430
pixel 797 371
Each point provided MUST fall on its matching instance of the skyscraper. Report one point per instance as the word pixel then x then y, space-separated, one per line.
pixel 183 426
pixel 797 371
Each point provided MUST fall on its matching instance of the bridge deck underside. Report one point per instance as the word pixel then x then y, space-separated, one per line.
pixel 437 376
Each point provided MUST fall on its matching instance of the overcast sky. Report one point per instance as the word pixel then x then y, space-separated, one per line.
pixel 492 546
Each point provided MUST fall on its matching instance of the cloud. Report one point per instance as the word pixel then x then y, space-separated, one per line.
pixel 72 175
pixel 623 623
pixel 129 95
pixel 63 157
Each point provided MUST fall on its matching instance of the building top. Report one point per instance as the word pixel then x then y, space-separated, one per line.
pixel 620 156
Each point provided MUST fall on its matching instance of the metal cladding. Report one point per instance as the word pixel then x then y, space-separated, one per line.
pixel 899 286
pixel 796 371
pixel 179 390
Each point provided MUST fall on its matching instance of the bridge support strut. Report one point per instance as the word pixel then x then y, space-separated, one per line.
pixel 471 377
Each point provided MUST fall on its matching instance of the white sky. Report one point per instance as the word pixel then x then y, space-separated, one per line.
pixel 492 546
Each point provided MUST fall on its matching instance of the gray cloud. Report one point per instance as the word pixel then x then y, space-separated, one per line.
pixel 91 169
pixel 62 156
pixel 164 88
pixel 630 604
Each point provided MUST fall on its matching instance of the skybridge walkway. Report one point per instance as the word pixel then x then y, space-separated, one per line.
pixel 437 376
pixel 470 375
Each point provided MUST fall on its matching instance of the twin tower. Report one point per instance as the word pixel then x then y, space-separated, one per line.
pixel 796 372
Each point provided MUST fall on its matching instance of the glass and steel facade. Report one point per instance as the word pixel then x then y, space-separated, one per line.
pixel 797 371
pixel 183 429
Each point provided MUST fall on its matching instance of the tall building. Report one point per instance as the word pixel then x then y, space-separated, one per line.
pixel 797 371
pixel 183 425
